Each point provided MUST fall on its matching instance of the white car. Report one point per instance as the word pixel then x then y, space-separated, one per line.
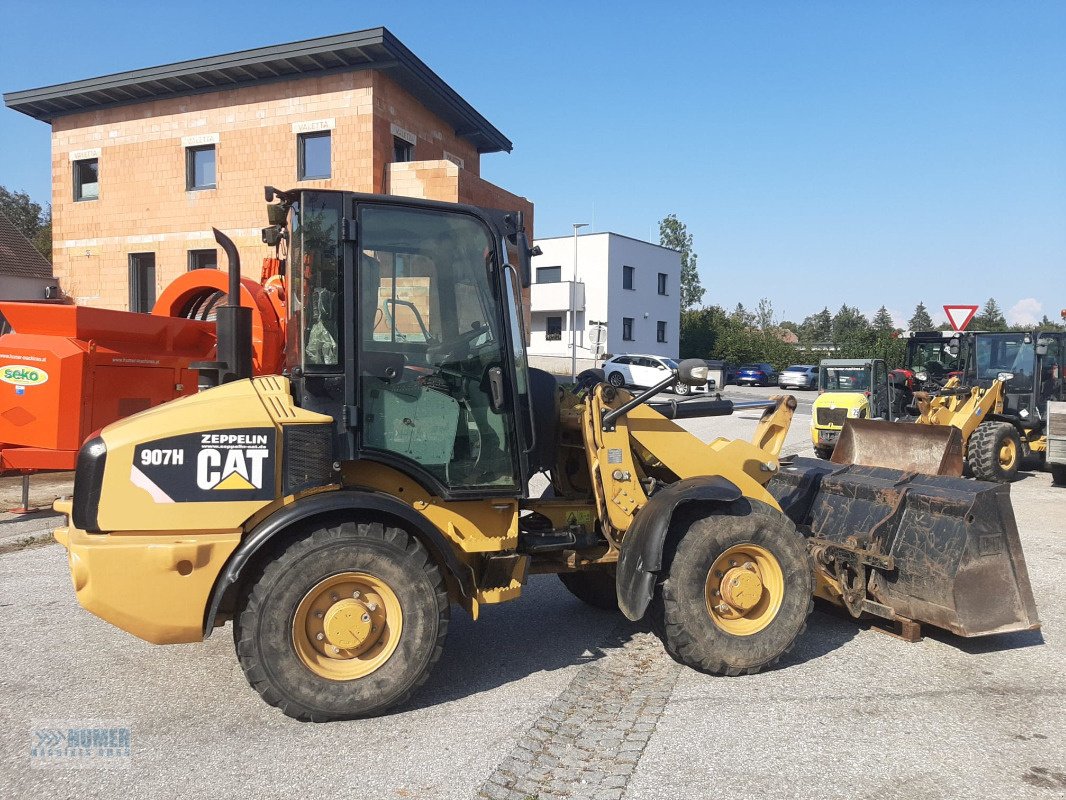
pixel 641 371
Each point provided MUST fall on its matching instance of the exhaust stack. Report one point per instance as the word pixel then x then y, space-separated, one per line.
pixel 233 324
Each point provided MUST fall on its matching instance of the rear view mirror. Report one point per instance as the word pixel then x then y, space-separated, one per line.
pixel 692 372
pixel 277 214
pixel 1041 346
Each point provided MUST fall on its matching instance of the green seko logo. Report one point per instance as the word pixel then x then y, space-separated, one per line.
pixel 21 375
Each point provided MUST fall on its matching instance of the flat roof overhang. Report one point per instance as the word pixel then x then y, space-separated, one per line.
pixel 373 49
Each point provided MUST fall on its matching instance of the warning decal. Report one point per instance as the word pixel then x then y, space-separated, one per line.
pixel 219 466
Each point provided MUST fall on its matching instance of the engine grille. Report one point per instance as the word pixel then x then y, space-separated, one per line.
pixel 308 454
pixel 832 416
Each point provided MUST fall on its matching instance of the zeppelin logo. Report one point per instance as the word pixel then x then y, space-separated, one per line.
pixel 21 375
pixel 207 467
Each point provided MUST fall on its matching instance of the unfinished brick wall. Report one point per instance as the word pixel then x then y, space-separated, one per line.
pixel 143 205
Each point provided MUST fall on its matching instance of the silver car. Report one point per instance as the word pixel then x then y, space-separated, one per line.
pixel 799 376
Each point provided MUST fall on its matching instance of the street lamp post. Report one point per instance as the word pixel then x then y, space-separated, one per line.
pixel 573 307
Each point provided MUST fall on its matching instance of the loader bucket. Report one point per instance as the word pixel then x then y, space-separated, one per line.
pixel 929 449
pixel 938 550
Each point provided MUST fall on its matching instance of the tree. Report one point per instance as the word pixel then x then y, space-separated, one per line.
pixel 921 321
pixel 32 221
pixel 847 323
pixel 742 317
pixel 991 317
pixel 764 314
pixel 817 328
pixel 674 234
pixel 883 321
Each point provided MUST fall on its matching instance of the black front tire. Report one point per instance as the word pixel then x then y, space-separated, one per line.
pixel 680 610
pixel 264 626
pixel 983 452
pixel 616 380
pixel 596 587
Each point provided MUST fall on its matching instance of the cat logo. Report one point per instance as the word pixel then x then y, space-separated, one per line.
pixel 230 469
pixel 216 467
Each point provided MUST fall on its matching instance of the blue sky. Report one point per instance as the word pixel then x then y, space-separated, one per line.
pixel 820 152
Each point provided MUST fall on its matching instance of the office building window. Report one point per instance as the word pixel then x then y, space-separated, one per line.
pixel 627 329
pixel 200 167
pixel 660 331
pixel 549 274
pixel 402 150
pixel 87 179
pixel 627 277
pixel 313 156
pixel 142 282
pixel 203 259
pixel 553 329
pixel 662 283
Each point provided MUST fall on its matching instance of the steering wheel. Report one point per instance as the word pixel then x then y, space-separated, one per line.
pixel 459 347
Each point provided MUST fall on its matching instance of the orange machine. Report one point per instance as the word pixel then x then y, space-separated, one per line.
pixel 66 371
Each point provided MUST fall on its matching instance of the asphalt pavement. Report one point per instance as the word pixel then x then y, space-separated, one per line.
pixel 546 697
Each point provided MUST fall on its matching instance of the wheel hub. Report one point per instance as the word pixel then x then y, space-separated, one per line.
pixel 347 626
pixel 744 589
pixel 1007 454
pixel 741 588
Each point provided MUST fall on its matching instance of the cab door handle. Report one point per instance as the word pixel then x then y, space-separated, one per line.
pixel 496 387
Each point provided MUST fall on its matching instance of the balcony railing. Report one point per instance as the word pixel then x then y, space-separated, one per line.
pixel 556 296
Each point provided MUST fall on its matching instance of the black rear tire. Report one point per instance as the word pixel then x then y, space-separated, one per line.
pixel 596 587
pixel 985 448
pixel 616 380
pixel 681 612
pixel 264 627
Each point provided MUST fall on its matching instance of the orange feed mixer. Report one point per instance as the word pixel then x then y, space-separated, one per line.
pixel 66 371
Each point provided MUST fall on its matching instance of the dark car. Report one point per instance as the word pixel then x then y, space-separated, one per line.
pixel 756 375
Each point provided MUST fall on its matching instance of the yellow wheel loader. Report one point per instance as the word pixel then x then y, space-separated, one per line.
pixel 338 511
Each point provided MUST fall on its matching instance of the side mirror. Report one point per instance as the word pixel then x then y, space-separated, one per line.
pixel 692 372
pixel 1042 346
pixel 278 214
pixel 661 366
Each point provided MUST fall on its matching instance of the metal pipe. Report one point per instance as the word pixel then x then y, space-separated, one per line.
pixel 607 423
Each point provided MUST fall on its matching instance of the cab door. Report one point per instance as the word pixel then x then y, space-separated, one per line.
pixel 434 372
pixel 880 391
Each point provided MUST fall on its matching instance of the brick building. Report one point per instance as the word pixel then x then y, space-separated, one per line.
pixel 145 162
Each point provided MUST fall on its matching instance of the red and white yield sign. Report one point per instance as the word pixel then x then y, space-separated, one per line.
pixel 960 316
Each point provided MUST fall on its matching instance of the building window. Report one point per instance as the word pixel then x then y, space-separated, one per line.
pixel 549 274
pixel 662 283
pixel 660 331
pixel 402 150
pixel 142 282
pixel 203 259
pixel 87 179
pixel 200 167
pixel 313 156
pixel 627 328
pixel 627 277
pixel 553 329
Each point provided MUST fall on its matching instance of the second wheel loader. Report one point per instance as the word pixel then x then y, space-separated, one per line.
pixel 338 511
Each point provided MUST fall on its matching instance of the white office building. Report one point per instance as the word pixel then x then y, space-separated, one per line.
pixel 626 295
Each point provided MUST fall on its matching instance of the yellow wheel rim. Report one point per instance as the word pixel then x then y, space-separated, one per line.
pixel 347 626
pixel 744 590
pixel 1008 453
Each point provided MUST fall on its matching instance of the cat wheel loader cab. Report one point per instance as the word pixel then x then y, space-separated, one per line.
pixel 848 389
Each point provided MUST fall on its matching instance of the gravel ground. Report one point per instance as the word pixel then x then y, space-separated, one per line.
pixel 546 697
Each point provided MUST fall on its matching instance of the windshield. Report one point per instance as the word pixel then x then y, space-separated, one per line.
pixel 845 379
pixel 1007 352
pixel 935 357
pixel 798 368
pixel 670 363
pixel 314 283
